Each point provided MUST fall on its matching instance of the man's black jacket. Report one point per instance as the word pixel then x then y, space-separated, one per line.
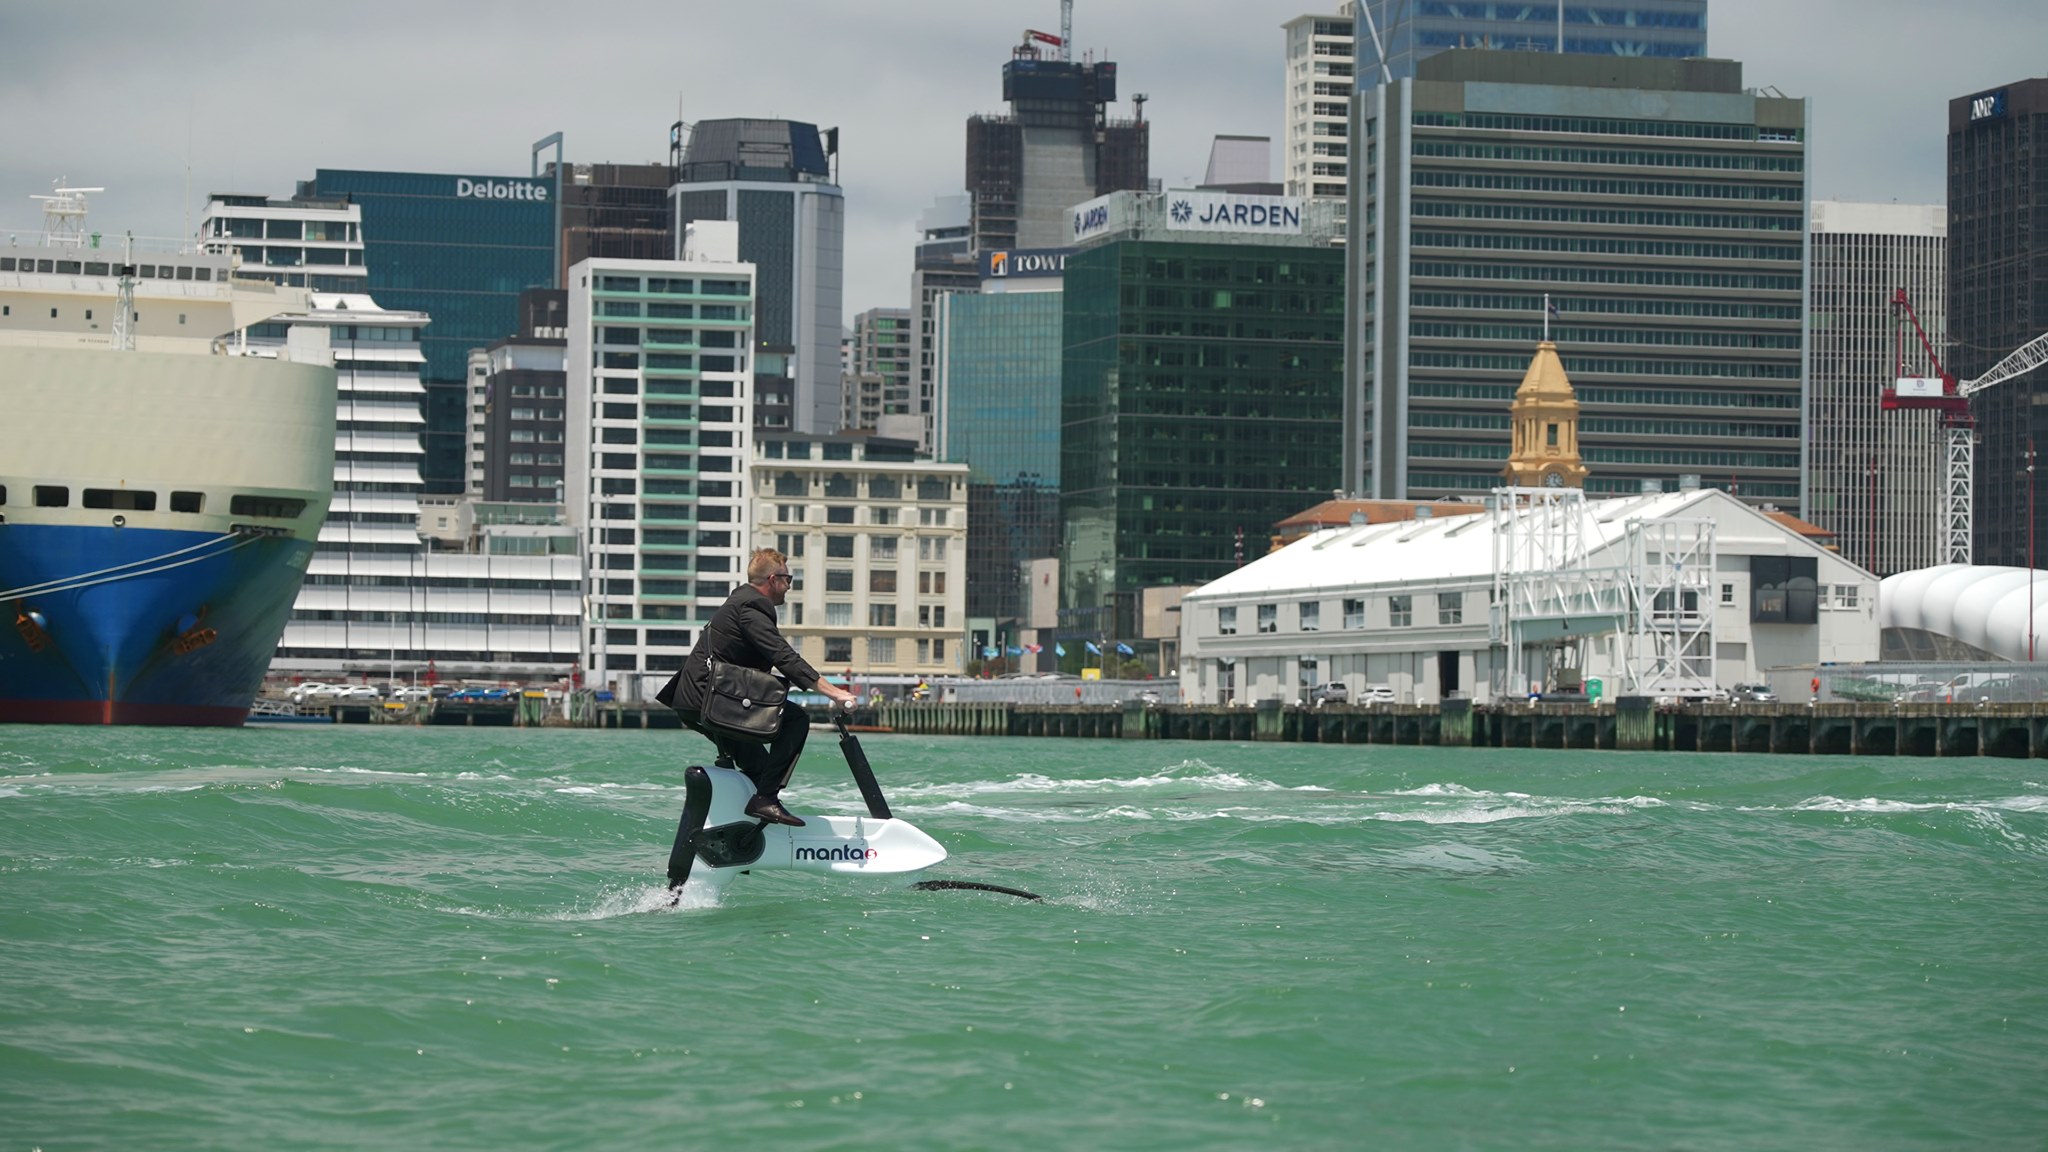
pixel 741 632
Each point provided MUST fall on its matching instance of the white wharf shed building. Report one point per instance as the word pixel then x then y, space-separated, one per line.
pixel 1663 593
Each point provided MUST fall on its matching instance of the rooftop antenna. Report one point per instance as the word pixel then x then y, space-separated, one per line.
pixel 64 215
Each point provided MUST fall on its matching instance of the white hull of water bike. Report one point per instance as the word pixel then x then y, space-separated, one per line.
pixel 726 842
pixel 716 840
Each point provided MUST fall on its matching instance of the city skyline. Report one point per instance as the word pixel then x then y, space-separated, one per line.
pixel 167 114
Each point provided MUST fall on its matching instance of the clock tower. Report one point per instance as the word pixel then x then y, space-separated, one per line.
pixel 1545 419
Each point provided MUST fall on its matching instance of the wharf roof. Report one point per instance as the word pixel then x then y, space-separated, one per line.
pixel 1460 548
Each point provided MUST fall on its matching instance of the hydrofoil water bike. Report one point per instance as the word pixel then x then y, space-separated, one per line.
pixel 716 840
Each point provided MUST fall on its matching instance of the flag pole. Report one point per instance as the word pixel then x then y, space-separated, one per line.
pixel 1546 317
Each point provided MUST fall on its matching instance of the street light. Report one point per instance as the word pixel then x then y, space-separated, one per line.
pixel 2030 549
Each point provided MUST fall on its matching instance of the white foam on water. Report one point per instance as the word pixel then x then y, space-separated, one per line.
pixel 1493 815
pixel 2022 803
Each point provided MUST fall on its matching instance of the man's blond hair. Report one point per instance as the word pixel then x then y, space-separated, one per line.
pixel 763 563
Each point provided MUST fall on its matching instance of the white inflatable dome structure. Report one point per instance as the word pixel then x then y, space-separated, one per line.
pixel 1963 612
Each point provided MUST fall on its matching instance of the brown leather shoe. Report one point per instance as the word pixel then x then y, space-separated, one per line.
pixel 762 808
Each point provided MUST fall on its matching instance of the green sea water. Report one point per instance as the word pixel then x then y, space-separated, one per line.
pixel 314 938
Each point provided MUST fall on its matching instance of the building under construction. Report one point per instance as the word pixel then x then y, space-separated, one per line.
pixel 1057 147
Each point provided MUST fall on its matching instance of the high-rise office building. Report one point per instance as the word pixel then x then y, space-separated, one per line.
pixel 1877 478
pixel 1316 153
pixel 1647 215
pixel 882 353
pixel 1998 301
pixel 774 179
pixel 1203 361
pixel 659 429
pixel 999 357
pixel 459 249
pixel 618 210
pixel 1057 147
pixel 306 242
pixel 944 262
pixel 1393 36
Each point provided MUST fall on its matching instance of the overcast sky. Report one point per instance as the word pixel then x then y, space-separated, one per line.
pixel 164 102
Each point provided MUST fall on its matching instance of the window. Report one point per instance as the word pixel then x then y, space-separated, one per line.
pixel 1226 621
pixel 931 547
pixel 935 517
pixel 839 547
pixel 180 501
pixel 838 615
pixel 881 515
pixel 789 514
pixel 52 496
pixel 881 615
pixel 838 649
pixel 882 649
pixel 789 544
pixel 1269 617
pixel 838 514
pixel 1450 607
pixel 838 579
pixel 789 484
pixel 1226 682
pixel 122 498
pixel 1354 614
pixel 885 488
pixel 882 580
pixel 931 616
pixel 931 583
pixel 939 646
pixel 1727 593
pixel 270 507
pixel 1846 595
pixel 1400 611
pixel 1312 617
pixel 882 548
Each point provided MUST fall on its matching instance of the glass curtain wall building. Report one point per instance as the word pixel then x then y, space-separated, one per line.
pixel 1998 300
pixel 1202 374
pixel 1393 36
pixel 773 178
pixel 1656 207
pixel 659 420
pixel 1000 379
pixel 1877 477
pixel 460 249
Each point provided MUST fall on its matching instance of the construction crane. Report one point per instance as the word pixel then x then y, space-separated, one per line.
pixel 1942 393
pixel 1064 41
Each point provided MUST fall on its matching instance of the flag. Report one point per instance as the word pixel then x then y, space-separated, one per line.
pixel 1124 648
pixel 1034 649
pixel 1059 649
pixel 1552 305
pixel 1015 651
pixel 1090 646
pixel 988 653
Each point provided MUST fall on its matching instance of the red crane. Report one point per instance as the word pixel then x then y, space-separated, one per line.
pixel 1944 394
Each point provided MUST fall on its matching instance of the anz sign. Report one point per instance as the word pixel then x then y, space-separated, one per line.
pixel 1990 106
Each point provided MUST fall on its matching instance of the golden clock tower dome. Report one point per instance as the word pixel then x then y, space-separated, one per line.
pixel 1545 419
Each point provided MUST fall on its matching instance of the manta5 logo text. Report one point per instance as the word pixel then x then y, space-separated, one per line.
pixel 839 852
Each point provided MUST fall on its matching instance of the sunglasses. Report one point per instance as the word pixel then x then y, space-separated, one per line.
pixel 782 576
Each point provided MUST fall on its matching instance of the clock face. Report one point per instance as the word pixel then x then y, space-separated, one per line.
pixel 1553 479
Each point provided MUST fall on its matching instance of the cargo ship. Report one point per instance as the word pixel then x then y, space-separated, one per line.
pixel 162 483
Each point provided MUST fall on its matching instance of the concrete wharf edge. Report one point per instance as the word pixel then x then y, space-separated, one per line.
pixel 1629 724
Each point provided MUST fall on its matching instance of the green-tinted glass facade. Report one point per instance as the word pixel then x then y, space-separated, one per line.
pixel 1003 421
pixel 1201 402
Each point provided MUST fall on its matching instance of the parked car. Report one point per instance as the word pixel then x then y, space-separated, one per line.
pixel 1757 693
pixel 1335 692
pixel 1377 694
pixel 1147 696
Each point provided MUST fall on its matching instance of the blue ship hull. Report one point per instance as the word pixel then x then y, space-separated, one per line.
pixel 139 626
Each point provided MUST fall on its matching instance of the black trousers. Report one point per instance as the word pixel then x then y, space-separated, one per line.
pixel 768 765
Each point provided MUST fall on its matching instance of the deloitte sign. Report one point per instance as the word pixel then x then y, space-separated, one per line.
pixel 488 189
